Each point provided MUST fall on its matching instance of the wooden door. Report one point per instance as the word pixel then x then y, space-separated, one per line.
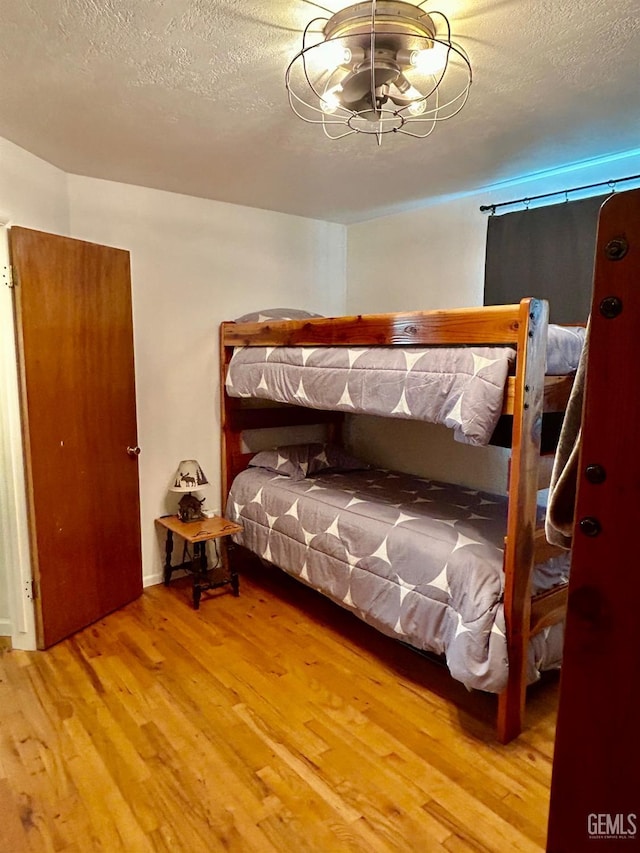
pixel 75 342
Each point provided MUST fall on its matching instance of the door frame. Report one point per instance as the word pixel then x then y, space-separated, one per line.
pixel 14 526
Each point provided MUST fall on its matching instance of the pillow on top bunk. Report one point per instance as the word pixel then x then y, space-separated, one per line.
pixel 564 345
pixel 298 461
pixel 276 314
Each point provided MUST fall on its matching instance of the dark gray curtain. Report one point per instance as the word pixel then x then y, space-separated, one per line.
pixel 547 252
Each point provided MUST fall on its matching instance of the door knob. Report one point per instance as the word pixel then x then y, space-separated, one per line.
pixel 133 451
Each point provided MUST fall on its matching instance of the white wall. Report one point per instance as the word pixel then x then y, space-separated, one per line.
pixel 433 257
pixel 195 263
pixel 422 259
pixel 34 194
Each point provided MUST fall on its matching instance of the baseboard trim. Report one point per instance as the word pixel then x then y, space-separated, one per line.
pixel 5 628
pixel 152 579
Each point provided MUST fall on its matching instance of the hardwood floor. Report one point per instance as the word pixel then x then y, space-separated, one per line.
pixel 270 722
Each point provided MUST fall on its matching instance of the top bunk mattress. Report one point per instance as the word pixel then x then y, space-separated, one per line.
pixel 461 387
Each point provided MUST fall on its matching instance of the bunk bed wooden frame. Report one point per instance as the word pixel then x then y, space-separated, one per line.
pixel 528 396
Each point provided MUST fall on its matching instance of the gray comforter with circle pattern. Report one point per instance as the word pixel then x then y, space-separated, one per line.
pixel 419 560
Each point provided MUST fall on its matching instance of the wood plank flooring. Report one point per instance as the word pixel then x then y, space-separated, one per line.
pixel 270 722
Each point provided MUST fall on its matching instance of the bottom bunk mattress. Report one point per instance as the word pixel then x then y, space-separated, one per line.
pixel 419 560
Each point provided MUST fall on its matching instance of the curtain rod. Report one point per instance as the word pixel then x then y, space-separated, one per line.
pixel 527 199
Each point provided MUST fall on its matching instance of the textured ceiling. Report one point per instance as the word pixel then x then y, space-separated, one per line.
pixel 188 96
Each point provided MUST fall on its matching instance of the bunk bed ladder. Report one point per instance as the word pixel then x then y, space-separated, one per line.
pixel 596 767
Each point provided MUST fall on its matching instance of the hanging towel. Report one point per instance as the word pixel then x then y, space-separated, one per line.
pixel 564 477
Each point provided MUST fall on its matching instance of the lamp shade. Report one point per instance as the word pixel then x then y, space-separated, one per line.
pixel 189 476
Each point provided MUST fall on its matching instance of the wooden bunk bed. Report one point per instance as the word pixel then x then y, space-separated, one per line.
pixel 529 396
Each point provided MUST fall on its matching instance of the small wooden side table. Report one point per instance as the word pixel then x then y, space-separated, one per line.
pixel 198 533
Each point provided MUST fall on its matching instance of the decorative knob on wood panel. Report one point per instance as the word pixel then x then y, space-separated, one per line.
pixel 133 451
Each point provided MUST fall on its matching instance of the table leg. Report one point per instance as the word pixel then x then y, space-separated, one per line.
pixel 229 567
pixel 168 551
pixel 199 572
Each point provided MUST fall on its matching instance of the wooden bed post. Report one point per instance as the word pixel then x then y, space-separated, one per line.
pixel 230 442
pixel 596 767
pixel 521 522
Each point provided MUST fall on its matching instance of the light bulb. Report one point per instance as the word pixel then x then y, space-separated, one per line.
pixel 407 96
pixel 333 55
pixel 330 102
pixel 417 108
pixel 418 105
pixel 410 93
pixel 432 60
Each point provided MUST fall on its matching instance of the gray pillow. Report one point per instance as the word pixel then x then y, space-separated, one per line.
pixel 276 314
pixel 564 345
pixel 298 461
